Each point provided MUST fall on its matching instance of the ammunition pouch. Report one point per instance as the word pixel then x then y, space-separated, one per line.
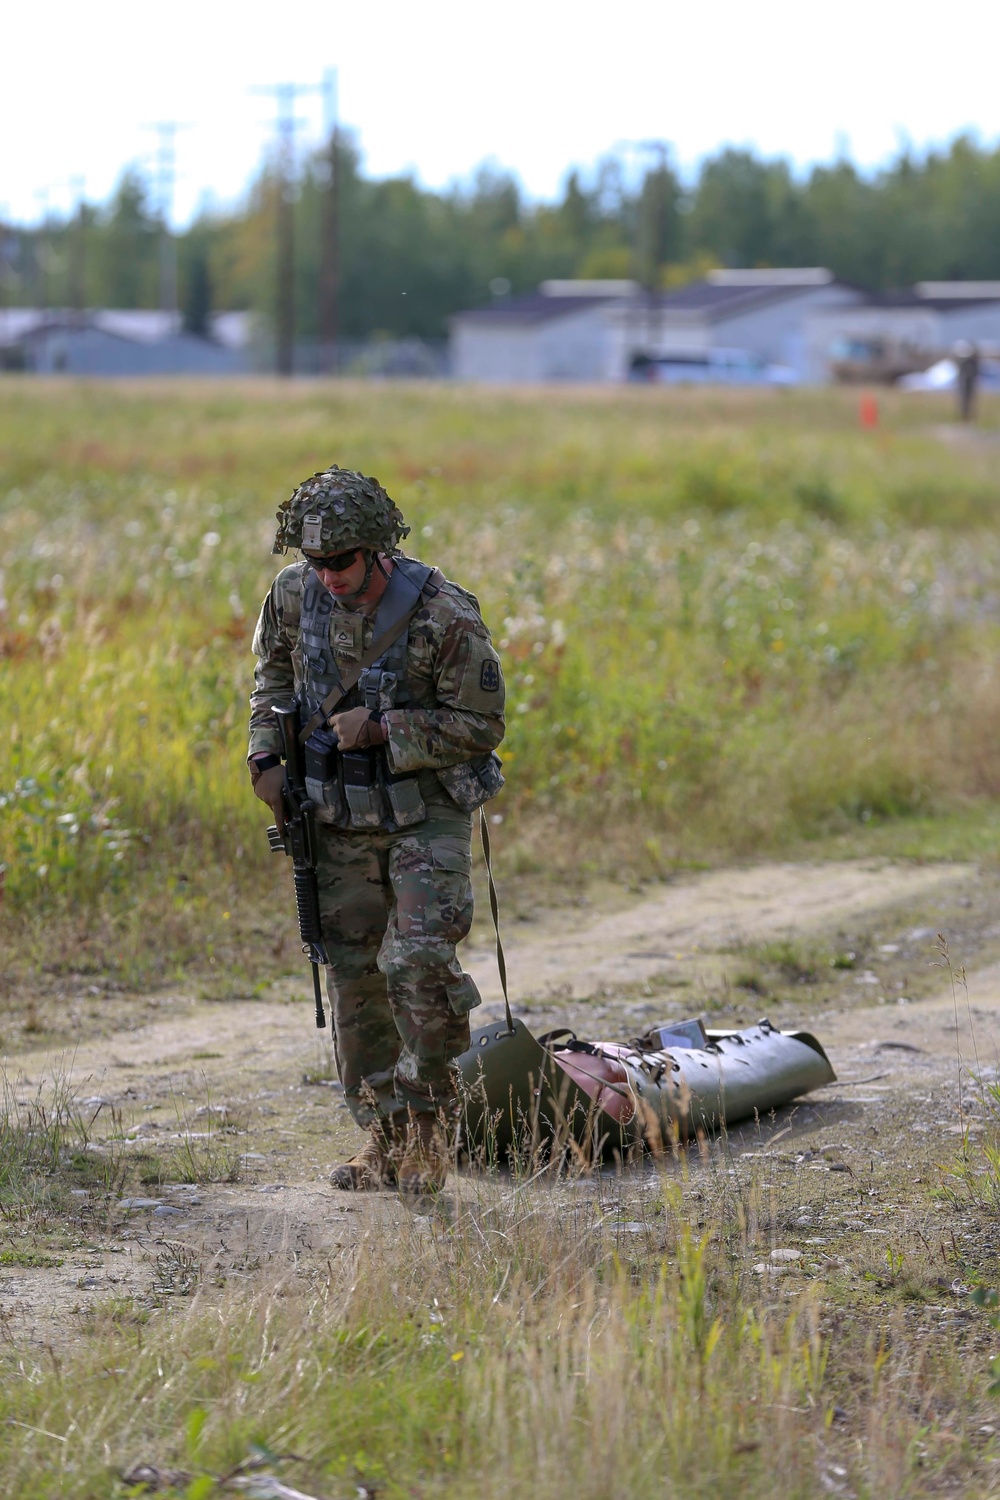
pixel 362 791
pixel 472 782
pixel 356 789
pixel 407 804
pixel 322 777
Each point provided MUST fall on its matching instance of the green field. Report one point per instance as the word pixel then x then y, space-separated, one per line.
pixel 732 623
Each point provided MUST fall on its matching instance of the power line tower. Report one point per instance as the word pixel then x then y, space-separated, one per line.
pixel 165 175
pixel 329 286
pixel 286 124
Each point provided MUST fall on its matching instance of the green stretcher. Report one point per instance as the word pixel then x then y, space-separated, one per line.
pixel 523 1093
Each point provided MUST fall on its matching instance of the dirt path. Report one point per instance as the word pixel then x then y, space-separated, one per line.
pixel 254 1069
pixel 678 931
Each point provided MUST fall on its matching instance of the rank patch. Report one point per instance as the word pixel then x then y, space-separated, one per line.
pixel 489 677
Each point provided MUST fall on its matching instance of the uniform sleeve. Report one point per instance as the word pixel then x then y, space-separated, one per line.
pixel 469 687
pixel 274 642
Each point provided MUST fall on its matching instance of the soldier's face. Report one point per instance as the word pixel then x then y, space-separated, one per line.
pixel 342 581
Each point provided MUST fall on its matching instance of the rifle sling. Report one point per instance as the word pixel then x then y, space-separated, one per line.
pixel 377 648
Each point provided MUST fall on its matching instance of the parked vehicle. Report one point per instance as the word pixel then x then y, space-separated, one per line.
pixel 715 367
pixel 876 361
pixel 943 376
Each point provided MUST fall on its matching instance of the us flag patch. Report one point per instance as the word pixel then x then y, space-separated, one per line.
pixel 489 677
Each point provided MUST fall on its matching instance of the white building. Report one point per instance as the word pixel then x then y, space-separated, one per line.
pixel 598 331
pixel 561 332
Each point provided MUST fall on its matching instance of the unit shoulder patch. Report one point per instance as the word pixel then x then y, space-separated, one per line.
pixel 489 676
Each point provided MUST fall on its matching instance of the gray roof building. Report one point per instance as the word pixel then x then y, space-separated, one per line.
pixel 120 342
pixel 594 331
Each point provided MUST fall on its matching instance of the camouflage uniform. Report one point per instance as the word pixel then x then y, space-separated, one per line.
pixel 395 904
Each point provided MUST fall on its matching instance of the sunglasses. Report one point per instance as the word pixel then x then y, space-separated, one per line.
pixel 338 563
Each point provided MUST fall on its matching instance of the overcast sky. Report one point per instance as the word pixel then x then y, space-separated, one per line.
pixel 436 87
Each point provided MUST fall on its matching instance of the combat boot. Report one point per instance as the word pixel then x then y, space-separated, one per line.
pixel 426 1159
pixel 373 1166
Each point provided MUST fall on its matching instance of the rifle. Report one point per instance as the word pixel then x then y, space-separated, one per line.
pixel 298 839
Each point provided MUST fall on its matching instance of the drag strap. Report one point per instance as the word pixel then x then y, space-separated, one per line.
pixel 495 909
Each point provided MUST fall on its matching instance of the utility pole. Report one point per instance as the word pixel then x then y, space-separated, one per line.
pixel 42 248
pixel 329 287
pixel 650 230
pixel 285 95
pixel 78 251
pixel 657 226
pixel 165 161
pixel 6 251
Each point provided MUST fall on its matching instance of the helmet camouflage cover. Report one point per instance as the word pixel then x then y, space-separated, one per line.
pixel 336 509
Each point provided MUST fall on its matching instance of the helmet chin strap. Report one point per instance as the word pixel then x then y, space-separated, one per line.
pixel 371 558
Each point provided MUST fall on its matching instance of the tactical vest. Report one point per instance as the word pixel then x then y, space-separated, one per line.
pixel 356 789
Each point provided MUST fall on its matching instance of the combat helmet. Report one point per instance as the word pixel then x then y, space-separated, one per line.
pixel 336 509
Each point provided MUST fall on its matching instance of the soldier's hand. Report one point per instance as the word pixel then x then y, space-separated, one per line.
pixel 358 729
pixel 269 787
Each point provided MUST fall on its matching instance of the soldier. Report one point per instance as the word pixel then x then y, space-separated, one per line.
pixel 396 769
pixel 967 365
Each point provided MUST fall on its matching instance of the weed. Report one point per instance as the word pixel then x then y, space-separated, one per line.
pixel 989 1298
pixel 796 963
pixel 752 980
pixel 208 1147
pixel 895 1260
pixel 154 1169
pixel 178 1270
pixel 324 1069
pixel 28 1258
pixel 37 1134
pixel 846 960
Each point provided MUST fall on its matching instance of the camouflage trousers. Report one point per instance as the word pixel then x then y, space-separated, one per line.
pixel 393 907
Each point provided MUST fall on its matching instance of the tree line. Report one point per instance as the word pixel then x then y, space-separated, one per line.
pixel 407 257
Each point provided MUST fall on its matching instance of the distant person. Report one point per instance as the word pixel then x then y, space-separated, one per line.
pixel 397 757
pixel 967 362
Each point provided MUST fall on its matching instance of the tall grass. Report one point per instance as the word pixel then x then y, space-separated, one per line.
pixel 728 622
pixel 524 1340
pixel 36 1135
